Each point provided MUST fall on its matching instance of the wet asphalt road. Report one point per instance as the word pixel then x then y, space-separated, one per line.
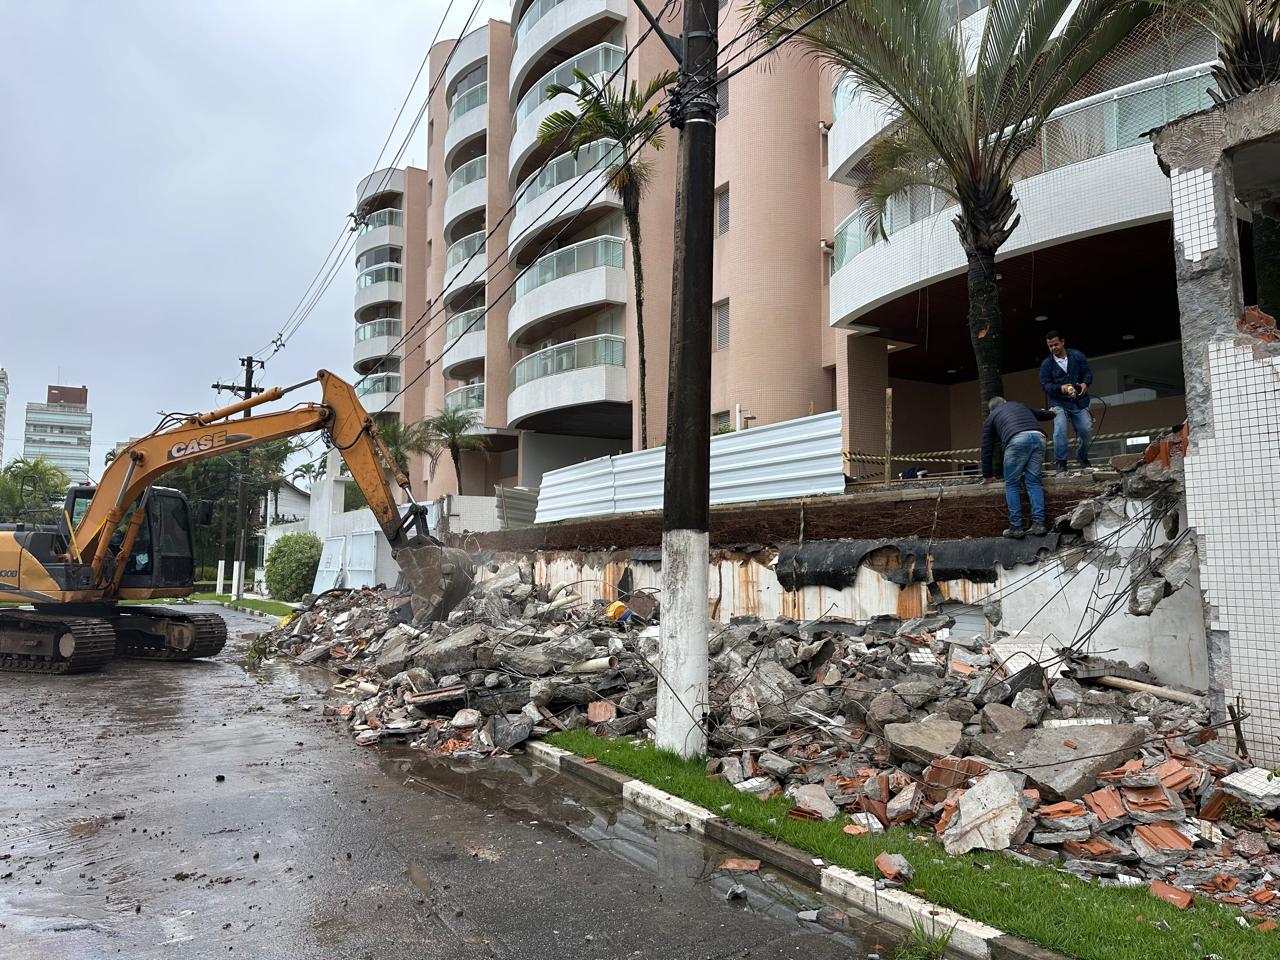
pixel 118 839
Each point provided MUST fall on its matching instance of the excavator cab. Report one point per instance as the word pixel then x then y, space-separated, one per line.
pixel 161 561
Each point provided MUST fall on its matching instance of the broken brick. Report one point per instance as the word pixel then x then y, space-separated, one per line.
pixel 1171 894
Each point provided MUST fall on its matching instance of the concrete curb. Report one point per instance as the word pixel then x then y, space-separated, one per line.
pixel 968 937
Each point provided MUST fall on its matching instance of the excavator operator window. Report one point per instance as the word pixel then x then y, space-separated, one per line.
pixel 140 557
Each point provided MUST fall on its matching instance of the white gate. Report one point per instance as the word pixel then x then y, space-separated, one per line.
pixel 329 573
pixel 362 559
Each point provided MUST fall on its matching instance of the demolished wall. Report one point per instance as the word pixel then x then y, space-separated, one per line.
pixel 1042 592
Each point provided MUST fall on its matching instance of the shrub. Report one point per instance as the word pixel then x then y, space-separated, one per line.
pixel 292 564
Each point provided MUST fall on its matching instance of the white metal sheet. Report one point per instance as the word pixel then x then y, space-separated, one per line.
pixel 362 559
pixel 329 573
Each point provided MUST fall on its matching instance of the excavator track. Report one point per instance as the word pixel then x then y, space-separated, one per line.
pixel 134 638
pixel 36 642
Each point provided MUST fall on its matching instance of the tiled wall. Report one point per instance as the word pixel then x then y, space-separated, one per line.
pixel 1233 501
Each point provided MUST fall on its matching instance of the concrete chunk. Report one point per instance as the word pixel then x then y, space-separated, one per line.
pixel 991 816
pixel 1060 771
pixel 925 741
pixel 997 718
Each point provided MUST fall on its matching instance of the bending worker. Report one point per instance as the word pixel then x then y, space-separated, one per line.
pixel 1065 376
pixel 1015 424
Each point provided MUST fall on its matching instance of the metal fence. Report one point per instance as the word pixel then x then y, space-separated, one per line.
pixel 517 506
pixel 794 458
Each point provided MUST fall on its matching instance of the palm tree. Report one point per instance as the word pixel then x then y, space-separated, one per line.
pixel 606 113
pixel 402 439
pixel 30 489
pixel 452 431
pixel 964 108
pixel 1248 37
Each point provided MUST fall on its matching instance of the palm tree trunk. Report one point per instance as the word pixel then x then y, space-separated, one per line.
pixel 631 211
pixel 456 453
pixel 1266 261
pixel 985 325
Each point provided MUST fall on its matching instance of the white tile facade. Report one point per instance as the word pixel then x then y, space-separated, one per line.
pixel 1193 219
pixel 1233 501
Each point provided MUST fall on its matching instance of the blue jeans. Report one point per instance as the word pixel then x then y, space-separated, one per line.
pixel 1023 459
pixel 1083 424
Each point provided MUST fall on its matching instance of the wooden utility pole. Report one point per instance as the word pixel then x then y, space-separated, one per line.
pixel 682 686
pixel 242 520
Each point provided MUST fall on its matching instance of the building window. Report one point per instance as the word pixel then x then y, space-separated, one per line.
pixel 720 422
pixel 722 325
pixel 722 211
pixel 722 96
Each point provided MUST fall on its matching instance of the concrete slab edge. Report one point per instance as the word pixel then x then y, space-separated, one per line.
pixel 969 937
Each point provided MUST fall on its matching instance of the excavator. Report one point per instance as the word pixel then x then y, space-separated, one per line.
pixel 128 539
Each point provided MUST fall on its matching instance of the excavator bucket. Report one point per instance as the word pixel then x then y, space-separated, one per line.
pixel 438 577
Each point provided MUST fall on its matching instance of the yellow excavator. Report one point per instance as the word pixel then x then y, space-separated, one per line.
pixel 128 539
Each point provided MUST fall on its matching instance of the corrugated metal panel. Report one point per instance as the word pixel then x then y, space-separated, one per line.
pixel 517 506
pixel 795 458
pixel 582 490
pixel 637 480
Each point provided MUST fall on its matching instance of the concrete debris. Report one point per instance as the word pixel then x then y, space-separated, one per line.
pixel 893 723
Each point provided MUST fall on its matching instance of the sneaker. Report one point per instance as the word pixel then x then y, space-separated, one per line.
pixel 1062 466
pixel 1015 533
pixel 1037 530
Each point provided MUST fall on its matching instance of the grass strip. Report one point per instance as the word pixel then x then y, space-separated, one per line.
pixel 1039 904
pixel 273 607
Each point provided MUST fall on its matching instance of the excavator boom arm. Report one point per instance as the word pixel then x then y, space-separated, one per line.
pixel 145 461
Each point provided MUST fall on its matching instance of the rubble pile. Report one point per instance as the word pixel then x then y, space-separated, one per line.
pixel 1083 763
pixel 513 660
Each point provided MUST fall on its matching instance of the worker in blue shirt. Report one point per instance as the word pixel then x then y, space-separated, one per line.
pixel 1066 377
pixel 1015 424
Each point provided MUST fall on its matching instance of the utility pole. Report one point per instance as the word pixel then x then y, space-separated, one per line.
pixel 242 520
pixel 682 653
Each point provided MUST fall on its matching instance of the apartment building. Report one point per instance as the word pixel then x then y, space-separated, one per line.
pixel 60 430
pixel 4 408
pixel 810 314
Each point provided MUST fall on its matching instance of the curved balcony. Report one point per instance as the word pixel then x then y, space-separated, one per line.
pixel 374 341
pixel 468 118
pixel 562 189
pixel 388 180
pixel 578 373
pixel 465 263
pixel 546 24
pixel 467 53
pixel 467 192
pixel 381 228
pixel 464 339
pixel 574 279
pixel 1085 150
pixel 379 393
pixel 601 62
pixel 380 284
pixel 470 397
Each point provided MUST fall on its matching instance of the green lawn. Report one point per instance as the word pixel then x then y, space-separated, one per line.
pixel 1053 909
pixel 273 607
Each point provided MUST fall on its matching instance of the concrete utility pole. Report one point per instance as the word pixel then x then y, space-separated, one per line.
pixel 242 521
pixel 682 688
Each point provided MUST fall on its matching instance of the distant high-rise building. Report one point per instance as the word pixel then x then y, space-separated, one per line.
pixel 60 430
pixel 4 404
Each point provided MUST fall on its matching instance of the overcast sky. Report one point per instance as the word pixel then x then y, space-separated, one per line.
pixel 171 177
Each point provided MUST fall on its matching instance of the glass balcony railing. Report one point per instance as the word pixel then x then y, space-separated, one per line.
pixel 594 157
pixel 532 14
pixel 584 255
pixel 459 252
pixel 842 95
pixel 378 383
pixel 604 350
pixel 386 272
pixel 383 218
pixel 600 61
pixel 1072 134
pixel 467 101
pixel 460 324
pixel 377 328
pixel 469 172
pixel 470 397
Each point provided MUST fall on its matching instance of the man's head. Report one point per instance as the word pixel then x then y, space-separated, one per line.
pixel 1057 345
pixel 994 404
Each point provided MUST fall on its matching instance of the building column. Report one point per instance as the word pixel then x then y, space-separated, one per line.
pixel 862 373
pixel 1232 370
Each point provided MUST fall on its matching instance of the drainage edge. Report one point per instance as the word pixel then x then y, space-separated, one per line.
pixel 969 937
